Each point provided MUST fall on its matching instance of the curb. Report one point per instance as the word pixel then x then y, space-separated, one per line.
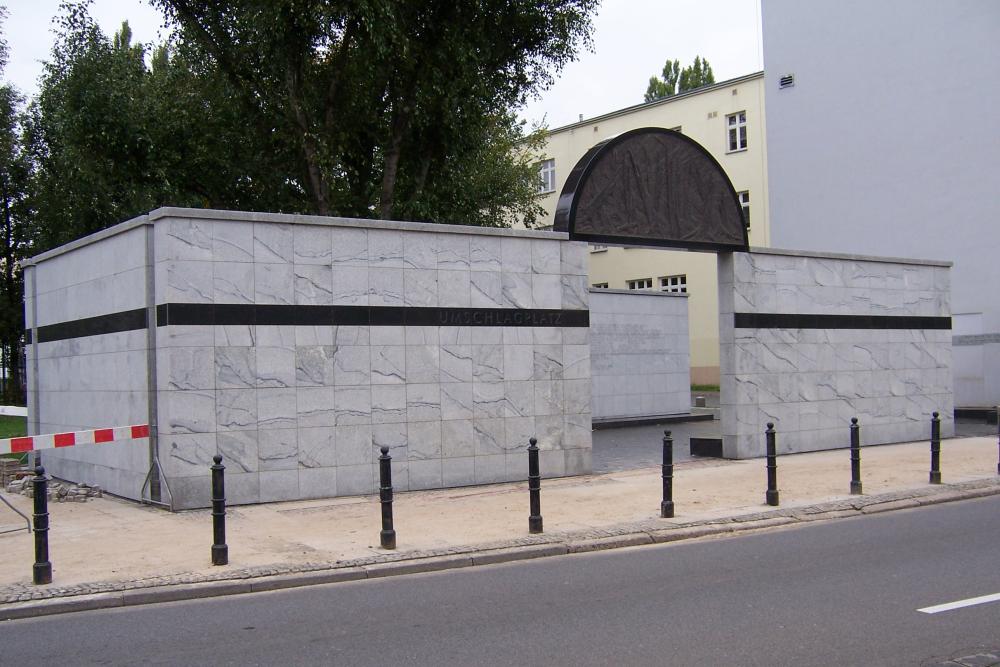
pixel 644 533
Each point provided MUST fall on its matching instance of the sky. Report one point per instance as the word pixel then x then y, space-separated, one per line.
pixel 632 39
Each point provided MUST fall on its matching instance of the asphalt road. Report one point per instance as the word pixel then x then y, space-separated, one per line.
pixel 834 593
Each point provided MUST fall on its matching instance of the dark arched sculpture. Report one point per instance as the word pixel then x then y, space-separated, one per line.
pixel 651 187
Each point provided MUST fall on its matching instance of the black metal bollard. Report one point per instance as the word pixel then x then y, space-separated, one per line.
pixel 855 457
pixel 387 537
pixel 935 475
pixel 772 467
pixel 42 569
pixel 220 552
pixel 534 488
pixel 667 471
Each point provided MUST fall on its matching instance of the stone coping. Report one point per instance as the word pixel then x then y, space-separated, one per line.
pixel 755 250
pixel 287 218
pixel 636 292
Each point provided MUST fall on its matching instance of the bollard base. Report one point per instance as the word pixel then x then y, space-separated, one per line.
pixel 387 538
pixel 667 509
pixel 41 573
pixel 855 488
pixel 534 524
pixel 935 478
pixel 220 554
pixel 771 497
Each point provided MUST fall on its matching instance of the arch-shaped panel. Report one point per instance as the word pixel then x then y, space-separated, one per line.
pixel 652 187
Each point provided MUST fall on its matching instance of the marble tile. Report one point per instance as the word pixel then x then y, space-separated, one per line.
pixel 487 363
pixel 350 285
pixel 317 447
pixel 420 251
pixel 548 362
pixel 457 439
pixel 232 241
pixel 233 282
pixel 276 366
pixel 182 368
pixel 189 239
pixel 350 246
pixel 423 402
pixel 352 365
pixel 546 291
pixel 354 445
pixel 388 404
pixel 424 440
pixel 388 335
pixel 420 287
pixel 491 469
pixel 314 365
pixel 548 395
pixel 518 362
pixel 313 284
pixel 485 254
pixel 453 251
pixel 546 257
pixel 486 291
pixel 239 452
pixel 549 432
pixel 515 290
pixel 385 287
pixel 425 474
pixel 394 437
pixel 276 408
pixel 574 292
pixel 573 258
pixel 312 244
pixel 235 335
pixel 274 284
pixel 456 363
pixel 455 335
pixel 421 335
pixel 189 282
pixel 279 485
pixel 272 243
pixel 189 411
pixel 353 405
pixel 315 406
pixel 488 400
pixel 355 480
pixel 519 399
pixel 275 336
pixel 515 254
pixel 422 363
pixel 388 364
pixel 455 289
pixel 236 409
pixel 458 471
pixel 385 248
pixel 278 449
pixel 456 400
pixel 183 455
pixel 317 483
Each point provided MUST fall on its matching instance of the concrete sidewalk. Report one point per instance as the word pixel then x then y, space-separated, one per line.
pixel 109 552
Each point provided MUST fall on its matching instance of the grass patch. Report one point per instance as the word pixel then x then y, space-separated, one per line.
pixel 12 427
pixel 704 387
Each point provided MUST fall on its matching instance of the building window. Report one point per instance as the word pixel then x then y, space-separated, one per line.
pixel 597 247
pixel 601 285
pixel 547 176
pixel 677 284
pixel 737 124
pixel 641 283
pixel 745 203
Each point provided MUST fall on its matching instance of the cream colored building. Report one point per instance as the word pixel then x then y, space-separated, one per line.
pixel 726 118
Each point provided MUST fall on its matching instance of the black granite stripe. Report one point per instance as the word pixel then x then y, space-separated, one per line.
pixel 127 320
pixel 808 321
pixel 248 314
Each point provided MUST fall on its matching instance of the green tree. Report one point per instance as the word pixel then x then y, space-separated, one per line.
pixel 14 168
pixel 396 109
pixel 675 80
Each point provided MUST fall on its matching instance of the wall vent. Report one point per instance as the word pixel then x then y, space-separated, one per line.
pixel 786 81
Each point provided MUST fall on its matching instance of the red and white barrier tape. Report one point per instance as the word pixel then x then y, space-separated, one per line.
pixel 52 440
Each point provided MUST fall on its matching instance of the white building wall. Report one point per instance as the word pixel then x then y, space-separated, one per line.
pixel 888 144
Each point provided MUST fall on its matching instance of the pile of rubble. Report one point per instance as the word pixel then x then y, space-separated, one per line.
pixel 61 492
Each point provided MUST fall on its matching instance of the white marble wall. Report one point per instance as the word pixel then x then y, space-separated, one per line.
pixel 92 381
pixel 300 411
pixel 810 382
pixel 639 354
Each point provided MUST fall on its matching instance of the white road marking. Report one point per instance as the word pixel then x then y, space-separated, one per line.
pixel 968 602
